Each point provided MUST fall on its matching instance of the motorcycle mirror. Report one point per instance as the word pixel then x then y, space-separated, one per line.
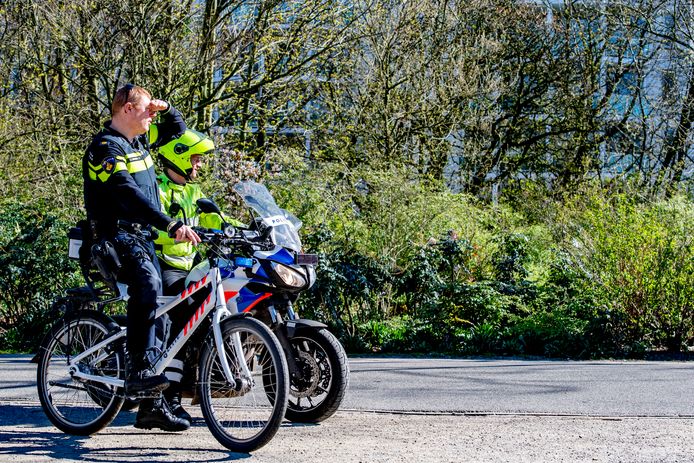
pixel 174 209
pixel 266 234
pixel 207 206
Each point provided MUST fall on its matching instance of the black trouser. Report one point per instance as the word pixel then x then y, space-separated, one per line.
pixel 140 271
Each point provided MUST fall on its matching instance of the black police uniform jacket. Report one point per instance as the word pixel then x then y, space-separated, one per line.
pixel 119 178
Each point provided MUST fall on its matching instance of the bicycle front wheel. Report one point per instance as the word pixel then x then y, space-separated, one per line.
pixel 241 416
pixel 78 406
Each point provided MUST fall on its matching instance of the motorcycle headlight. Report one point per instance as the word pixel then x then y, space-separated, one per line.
pixel 289 277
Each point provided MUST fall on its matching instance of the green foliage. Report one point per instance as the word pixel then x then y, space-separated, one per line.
pixel 551 333
pixel 510 258
pixel 408 267
pixel 34 269
pixel 398 101
pixel 640 259
pixel 399 334
pixel 378 212
pixel 596 275
pixel 483 338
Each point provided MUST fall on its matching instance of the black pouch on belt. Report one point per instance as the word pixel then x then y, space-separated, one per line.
pixel 105 258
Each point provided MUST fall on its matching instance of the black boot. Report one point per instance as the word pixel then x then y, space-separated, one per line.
pixel 154 413
pixel 173 400
pixel 141 378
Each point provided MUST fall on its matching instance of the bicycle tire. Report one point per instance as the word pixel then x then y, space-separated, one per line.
pixel 244 419
pixel 76 406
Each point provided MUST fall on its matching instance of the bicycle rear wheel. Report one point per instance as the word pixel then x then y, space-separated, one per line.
pixel 242 417
pixel 78 406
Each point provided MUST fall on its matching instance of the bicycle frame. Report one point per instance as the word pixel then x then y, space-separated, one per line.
pixel 214 306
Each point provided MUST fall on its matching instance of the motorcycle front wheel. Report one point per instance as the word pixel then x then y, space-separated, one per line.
pixel 316 392
pixel 241 416
pixel 77 406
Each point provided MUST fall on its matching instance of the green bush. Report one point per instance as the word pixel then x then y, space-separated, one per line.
pixel 406 266
pixel 595 275
pixel 387 215
pixel 639 257
pixel 34 269
pixel 348 291
pixel 480 339
pixel 550 333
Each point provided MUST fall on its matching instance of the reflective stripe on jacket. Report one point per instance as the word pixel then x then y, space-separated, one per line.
pixel 182 255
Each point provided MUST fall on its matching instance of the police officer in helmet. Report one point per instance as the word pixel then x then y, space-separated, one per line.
pixel 181 158
pixel 120 185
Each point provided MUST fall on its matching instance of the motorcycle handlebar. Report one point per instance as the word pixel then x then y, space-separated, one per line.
pixel 208 235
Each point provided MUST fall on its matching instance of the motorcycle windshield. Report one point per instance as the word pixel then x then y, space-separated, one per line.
pixel 285 226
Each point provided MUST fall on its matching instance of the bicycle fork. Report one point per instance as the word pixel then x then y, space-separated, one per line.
pixel 221 312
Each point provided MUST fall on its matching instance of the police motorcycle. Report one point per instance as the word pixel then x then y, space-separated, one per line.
pixel 263 272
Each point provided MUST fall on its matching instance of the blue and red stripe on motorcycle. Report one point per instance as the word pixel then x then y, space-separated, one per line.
pixel 247 299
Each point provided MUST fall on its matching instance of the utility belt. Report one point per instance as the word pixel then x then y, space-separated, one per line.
pixel 91 242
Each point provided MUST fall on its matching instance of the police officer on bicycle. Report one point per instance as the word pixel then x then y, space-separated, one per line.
pixel 120 186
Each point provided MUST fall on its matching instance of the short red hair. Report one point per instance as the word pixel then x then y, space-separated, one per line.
pixel 128 93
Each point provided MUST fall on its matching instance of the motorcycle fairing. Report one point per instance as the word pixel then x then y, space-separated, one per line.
pixel 247 299
pixel 278 254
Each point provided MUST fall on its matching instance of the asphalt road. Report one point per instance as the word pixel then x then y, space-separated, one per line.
pixel 598 388
pixel 423 410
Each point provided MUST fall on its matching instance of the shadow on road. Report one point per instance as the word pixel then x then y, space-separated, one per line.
pixel 52 444
pixel 17 359
pixel 25 430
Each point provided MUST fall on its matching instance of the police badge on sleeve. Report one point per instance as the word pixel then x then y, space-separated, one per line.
pixel 108 164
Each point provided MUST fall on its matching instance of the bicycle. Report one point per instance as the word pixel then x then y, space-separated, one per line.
pixel 242 372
